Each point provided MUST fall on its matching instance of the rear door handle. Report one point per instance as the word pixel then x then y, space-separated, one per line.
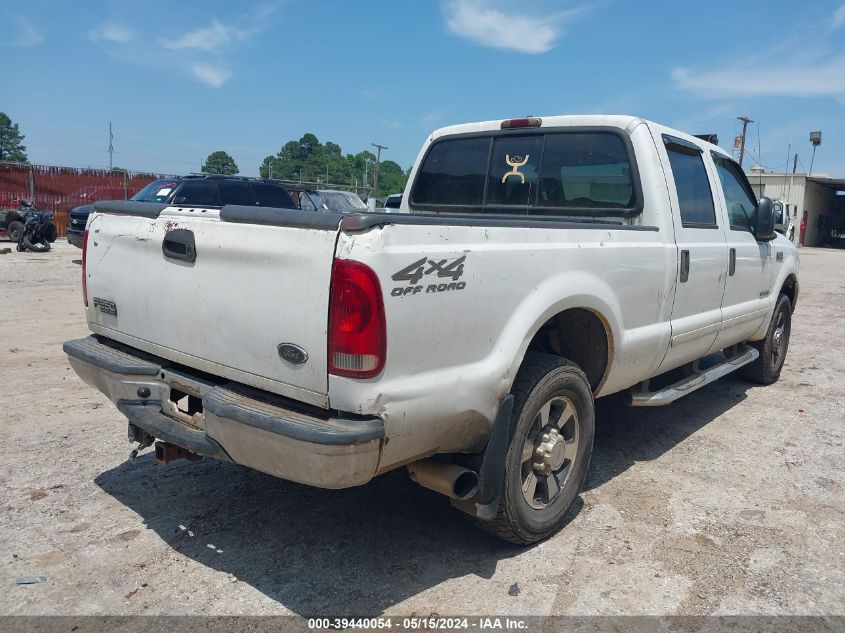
pixel 179 244
pixel 684 266
pixel 732 263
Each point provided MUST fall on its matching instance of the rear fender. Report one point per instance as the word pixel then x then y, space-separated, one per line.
pixel 567 290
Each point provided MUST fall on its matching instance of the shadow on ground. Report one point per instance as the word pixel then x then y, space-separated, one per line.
pixel 364 549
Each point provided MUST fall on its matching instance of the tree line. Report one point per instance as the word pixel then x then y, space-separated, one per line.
pixel 309 160
pixel 305 160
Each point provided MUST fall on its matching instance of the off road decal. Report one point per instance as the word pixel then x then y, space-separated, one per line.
pixel 432 270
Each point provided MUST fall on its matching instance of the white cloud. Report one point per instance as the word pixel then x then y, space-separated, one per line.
pixel 479 22
pixel 215 35
pixel 806 78
pixel 21 32
pixel 210 75
pixel 838 18
pixel 218 35
pixel 112 33
pixel 204 54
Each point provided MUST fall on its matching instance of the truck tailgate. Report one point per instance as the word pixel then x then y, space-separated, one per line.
pixel 250 289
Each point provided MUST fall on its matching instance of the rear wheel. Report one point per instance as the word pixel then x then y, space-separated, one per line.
pixel 766 369
pixel 51 232
pixel 550 447
pixel 15 229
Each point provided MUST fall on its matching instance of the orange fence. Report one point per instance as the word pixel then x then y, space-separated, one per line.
pixel 60 189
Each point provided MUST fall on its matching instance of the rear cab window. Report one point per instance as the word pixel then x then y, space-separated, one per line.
pixel 695 197
pixel 545 172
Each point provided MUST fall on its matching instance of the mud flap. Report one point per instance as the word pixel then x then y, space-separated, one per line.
pixel 491 476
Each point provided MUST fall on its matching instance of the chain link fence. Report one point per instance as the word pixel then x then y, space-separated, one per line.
pixel 60 189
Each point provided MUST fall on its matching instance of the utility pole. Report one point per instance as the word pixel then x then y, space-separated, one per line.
pixel 111 147
pixel 745 121
pixel 378 163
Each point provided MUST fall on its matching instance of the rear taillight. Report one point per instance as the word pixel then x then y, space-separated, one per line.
pixel 357 339
pixel 84 283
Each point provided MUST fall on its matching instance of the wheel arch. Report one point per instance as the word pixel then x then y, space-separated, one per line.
pixel 790 288
pixel 581 332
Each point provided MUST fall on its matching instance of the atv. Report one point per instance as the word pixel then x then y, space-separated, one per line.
pixel 12 221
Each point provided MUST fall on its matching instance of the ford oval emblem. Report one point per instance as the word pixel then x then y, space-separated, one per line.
pixel 292 353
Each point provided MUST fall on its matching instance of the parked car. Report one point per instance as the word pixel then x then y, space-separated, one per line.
pixel 393 201
pixel 538 264
pixel 210 191
pixel 331 200
pixel 156 191
pixel 785 218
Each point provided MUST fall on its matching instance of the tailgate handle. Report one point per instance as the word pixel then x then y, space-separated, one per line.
pixel 179 244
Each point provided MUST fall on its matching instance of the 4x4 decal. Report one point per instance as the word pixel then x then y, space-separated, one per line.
pixel 441 268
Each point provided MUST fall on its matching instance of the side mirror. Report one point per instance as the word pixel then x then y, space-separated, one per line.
pixel 393 202
pixel 179 200
pixel 764 221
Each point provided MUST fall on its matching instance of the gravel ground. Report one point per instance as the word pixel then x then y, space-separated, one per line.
pixel 729 501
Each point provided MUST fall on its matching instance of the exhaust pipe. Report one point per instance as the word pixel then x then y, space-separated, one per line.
pixel 451 480
pixel 167 452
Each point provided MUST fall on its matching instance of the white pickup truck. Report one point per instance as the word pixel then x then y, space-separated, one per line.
pixel 535 264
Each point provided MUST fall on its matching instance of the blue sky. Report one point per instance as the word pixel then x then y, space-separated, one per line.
pixel 181 79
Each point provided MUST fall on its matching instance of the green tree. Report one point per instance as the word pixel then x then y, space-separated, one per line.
pixel 310 160
pixel 391 178
pixel 220 162
pixel 11 141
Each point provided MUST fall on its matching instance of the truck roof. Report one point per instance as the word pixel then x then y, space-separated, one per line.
pixel 625 122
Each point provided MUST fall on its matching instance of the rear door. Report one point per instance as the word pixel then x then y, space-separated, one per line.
pixel 700 239
pixel 249 289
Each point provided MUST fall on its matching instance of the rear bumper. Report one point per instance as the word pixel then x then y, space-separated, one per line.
pixel 238 424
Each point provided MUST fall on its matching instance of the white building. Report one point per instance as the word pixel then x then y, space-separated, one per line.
pixel 815 202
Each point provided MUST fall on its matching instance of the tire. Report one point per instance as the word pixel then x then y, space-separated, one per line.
pixel 766 369
pixel 528 512
pixel 39 246
pixel 51 232
pixel 15 228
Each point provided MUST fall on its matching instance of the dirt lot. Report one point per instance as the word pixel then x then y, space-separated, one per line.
pixel 727 502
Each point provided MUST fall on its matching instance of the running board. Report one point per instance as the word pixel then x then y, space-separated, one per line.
pixel 641 396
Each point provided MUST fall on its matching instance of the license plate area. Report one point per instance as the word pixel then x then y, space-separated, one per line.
pixel 184 398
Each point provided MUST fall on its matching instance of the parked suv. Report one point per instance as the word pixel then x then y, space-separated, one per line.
pixel 210 191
